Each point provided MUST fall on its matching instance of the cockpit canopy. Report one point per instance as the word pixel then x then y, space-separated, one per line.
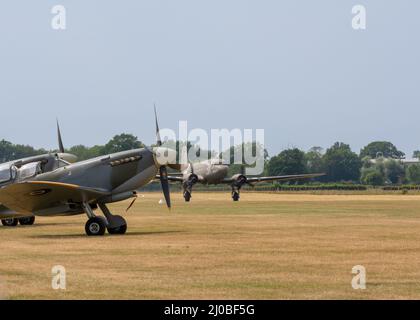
pixel 7 172
pixel 27 168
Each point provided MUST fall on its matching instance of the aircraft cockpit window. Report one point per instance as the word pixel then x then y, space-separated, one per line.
pixel 5 173
pixel 29 170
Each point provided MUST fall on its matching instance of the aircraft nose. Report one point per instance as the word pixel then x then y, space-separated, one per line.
pixel 222 170
pixel 164 156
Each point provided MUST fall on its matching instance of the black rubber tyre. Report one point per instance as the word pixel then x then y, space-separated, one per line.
pixel 95 226
pixel 187 196
pixel 10 222
pixel 118 230
pixel 27 221
pixel 235 197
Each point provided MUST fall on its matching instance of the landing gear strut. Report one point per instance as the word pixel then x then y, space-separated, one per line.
pixel 235 196
pixel 116 224
pixel 235 192
pixel 96 226
pixel 187 187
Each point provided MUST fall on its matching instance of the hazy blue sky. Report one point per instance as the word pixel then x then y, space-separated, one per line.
pixel 295 68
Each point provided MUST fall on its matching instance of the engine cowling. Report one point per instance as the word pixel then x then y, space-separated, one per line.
pixel 191 179
pixel 239 180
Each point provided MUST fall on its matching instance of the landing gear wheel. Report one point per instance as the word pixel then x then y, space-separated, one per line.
pixel 27 221
pixel 10 222
pixel 118 230
pixel 95 226
pixel 235 196
pixel 187 196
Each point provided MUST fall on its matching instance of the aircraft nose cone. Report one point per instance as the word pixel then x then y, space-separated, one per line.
pixel 220 171
pixel 224 169
pixel 164 156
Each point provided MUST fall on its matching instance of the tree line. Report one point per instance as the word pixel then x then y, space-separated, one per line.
pixel 378 163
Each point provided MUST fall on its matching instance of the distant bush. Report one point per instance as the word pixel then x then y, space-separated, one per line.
pixel 315 187
pixel 402 187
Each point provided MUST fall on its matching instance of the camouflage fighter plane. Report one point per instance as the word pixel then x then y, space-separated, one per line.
pixel 213 172
pixel 50 185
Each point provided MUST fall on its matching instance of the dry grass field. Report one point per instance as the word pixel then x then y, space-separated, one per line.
pixel 267 246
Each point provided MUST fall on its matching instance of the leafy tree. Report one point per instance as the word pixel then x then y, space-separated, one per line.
pixel 367 162
pixel 290 161
pixel 373 177
pixel 394 171
pixel 371 170
pixel 6 151
pixel 383 148
pixel 252 149
pixel 122 142
pixel 416 154
pixel 83 153
pixel 314 161
pixel 341 164
pixel 9 151
pixel 413 173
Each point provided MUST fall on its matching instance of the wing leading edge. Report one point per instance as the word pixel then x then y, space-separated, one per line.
pixel 279 178
pixel 33 196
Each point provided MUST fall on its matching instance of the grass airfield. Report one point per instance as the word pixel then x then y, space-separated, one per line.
pixel 267 246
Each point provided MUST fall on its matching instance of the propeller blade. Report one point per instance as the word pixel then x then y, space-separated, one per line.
pixel 165 185
pixel 163 173
pixel 158 140
pixel 132 202
pixel 60 140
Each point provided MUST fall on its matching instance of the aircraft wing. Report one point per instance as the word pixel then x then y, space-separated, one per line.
pixel 173 177
pixel 279 178
pixel 33 196
pixel 5 212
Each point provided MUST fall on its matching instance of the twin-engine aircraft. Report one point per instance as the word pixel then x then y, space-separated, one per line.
pixel 54 184
pixel 213 172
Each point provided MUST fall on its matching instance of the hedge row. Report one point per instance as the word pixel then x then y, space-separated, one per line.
pixel 314 187
pixel 402 187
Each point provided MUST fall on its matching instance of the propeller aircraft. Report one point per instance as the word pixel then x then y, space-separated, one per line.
pixel 56 185
pixel 213 172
